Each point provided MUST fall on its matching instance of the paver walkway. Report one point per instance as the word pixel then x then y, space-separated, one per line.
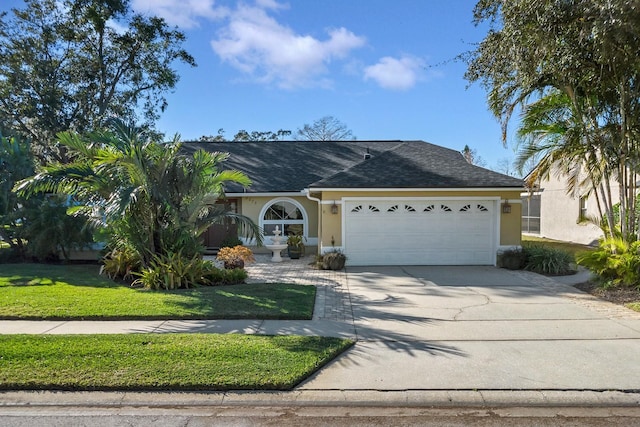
pixel 332 295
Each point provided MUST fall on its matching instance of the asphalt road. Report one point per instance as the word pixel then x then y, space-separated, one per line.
pixel 316 416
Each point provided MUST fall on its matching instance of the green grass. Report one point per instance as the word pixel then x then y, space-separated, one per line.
pixel 162 361
pixel 635 306
pixel 55 292
pixel 572 248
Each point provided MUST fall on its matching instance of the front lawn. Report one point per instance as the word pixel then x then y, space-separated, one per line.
pixel 56 292
pixel 162 361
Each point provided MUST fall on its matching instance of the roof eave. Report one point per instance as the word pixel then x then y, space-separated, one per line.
pixel 406 189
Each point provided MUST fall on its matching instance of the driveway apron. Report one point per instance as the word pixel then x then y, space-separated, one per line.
pixel 467 328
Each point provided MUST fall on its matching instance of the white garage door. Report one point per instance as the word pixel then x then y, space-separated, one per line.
pixel 420 232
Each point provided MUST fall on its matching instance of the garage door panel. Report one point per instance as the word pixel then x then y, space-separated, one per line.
pixel 420 232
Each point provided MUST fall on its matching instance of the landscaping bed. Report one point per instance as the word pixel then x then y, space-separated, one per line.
pixel 626 296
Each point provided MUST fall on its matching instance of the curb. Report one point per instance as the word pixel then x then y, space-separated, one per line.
pixel 324 398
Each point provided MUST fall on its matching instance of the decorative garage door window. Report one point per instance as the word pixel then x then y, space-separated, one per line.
pixel 365 208
pixel 287 216
pixel 402 208
pixel 440 208
pixel 472 208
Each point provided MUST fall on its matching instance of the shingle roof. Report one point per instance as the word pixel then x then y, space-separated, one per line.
pixel 291 166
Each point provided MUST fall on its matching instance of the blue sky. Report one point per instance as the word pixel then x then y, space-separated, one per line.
pixel 384 68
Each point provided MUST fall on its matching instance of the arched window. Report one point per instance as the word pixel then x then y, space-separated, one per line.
pixel 287 214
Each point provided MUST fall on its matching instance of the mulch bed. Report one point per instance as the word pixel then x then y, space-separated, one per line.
pixel 619 295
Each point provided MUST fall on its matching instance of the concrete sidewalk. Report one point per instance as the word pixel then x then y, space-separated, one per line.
pixel 328 328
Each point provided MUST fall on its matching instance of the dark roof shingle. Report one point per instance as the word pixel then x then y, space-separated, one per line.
pixel 291 166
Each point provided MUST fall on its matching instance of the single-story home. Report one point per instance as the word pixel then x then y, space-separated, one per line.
pixel 379 202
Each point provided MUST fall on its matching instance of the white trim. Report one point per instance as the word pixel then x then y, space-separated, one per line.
pixel 512 201
pixel 305 215
pixel 396 190
pixel 534 193
pixel 331 202
pixel 274 194
pixel 310 241
pixel 425 198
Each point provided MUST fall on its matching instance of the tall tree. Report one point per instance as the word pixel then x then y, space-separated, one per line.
pixel 70 64
pixel 259 136
pixel 327 128
pixel 583 53
pixel 153 199
pixel 244 136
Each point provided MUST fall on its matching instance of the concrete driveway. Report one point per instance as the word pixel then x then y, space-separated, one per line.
pixel 468 328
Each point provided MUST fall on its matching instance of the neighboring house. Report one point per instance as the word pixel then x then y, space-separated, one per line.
pixel 380 202
pixel 552 213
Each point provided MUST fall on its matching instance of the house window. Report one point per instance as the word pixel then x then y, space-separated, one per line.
pixel 531 214
pixel 583 209
pixel 287 214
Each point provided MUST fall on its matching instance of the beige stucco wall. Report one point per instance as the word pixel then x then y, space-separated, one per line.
pixel 560 213
pixel 510 224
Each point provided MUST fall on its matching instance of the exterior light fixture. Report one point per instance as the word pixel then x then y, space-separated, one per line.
pixel 334 208
pixel 506 208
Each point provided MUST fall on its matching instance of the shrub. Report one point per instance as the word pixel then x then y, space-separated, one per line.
pixel 235 257
pixel 50 232
pixel 512 259
pixel 220 277
pixel 333 260
pixel 230 242
pixel 121 264
pixel 547 260
pixel 173 271
pixel 615 261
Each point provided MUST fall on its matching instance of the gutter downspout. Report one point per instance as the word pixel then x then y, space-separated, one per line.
pixel 307 193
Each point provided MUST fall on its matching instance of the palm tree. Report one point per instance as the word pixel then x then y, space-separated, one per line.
pixel 151 198
pixel 574 142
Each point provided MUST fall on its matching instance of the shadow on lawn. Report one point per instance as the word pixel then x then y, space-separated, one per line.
pixel 32 274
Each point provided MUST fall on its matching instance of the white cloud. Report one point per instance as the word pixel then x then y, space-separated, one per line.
pixel 396 74
pixel 259 46
pixel 183 13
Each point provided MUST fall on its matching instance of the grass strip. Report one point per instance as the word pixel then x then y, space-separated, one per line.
pixel 76 292
pixel 162 361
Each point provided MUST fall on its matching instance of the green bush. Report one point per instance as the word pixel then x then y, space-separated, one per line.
pixel 174 271
pixel 547 260
pixel 512 259
pixel 334 260
pixel 230 242
pixel 615 261
pixel 51 232
pixel 221 277
pixel 121 264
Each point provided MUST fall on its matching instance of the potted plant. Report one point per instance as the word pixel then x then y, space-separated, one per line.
pixel 334 260
pixel 295 246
